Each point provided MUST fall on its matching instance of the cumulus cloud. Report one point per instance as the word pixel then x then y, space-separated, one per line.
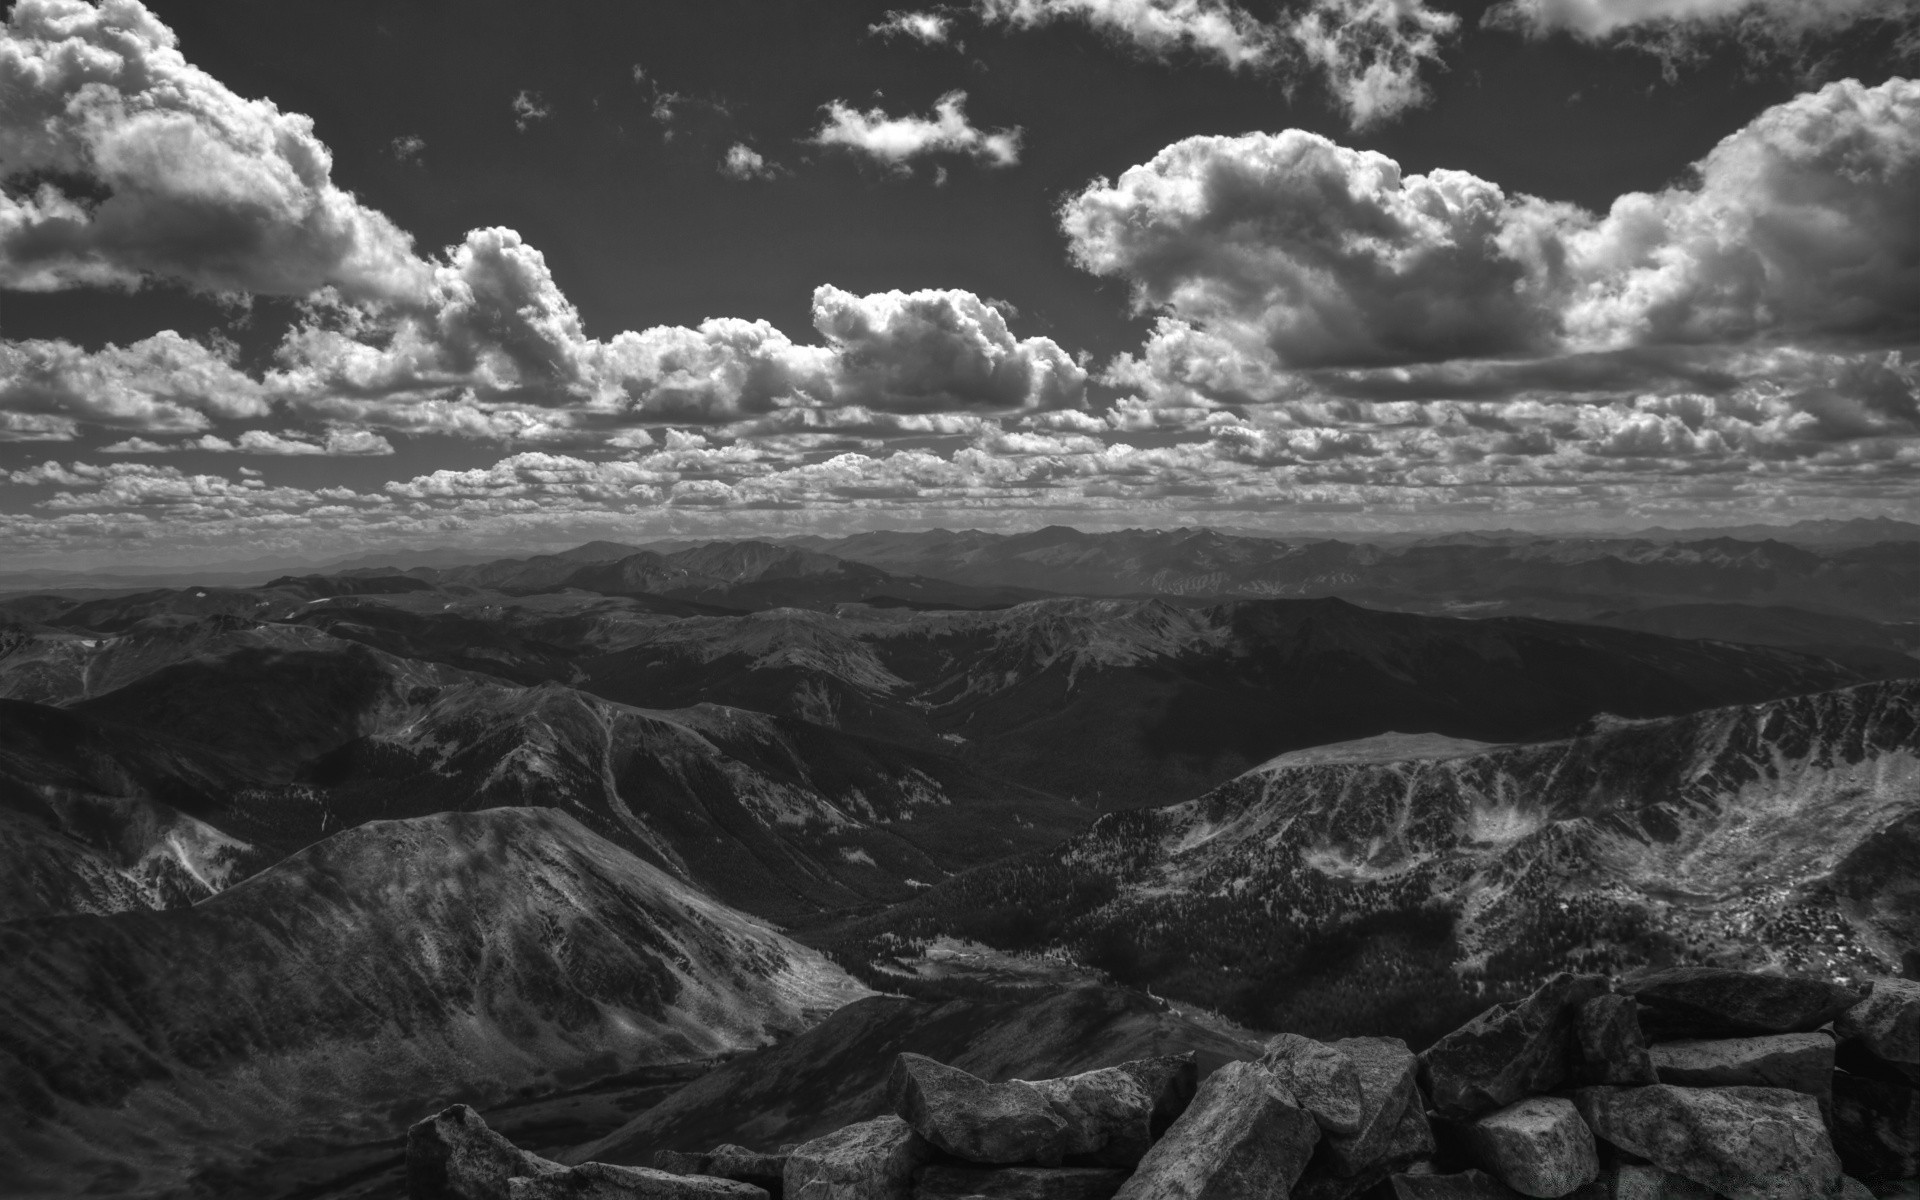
pixel 1368 52
pixel 1296 252
pixel 927 28
pixel 162 384
pixel 287 443
pixel 743 162
pixel 126 163
pixel 894 142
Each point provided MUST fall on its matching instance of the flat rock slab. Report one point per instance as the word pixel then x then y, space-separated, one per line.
pixel 1740 1142
pixel 1509 1052
pixel 727 1162
pixel 969 1118
pixel 1323 1080
pixel 604 1181
pixel 1708 1002
pixel 1240 1139
pixel 1464 1185
pixel 1387 1071
pixel 452 1155
pixel 1113 1115
pixel 1018 1183
pixel 1538 1147
pixel 874 1160
pixel 1609 1042
pixel 1887 1023
pixel 1800 1062
pixel 1876 1128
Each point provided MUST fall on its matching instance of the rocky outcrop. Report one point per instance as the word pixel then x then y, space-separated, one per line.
pixel 1716 1002
pixel 1741 1117
pixel 1887 1023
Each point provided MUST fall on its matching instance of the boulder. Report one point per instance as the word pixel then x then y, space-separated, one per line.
pixel 1876 1127
pixel 1710 1002
pixel 1113 1115
pixel 1610 1046
pixel 1240 1139
pixel 1466 1185
pixel 1509 1052
pixel 1387 1088
pixel 874 1160
pixel 1018 1183
pixel 972 1119
pixel 1741 1142
pixel 604 1181
pixel 452 1155
pixel 1644 1181
pixel 1409 1145
pixel 1322 1079
pixel 1853 1189
pixel 1800 1062
pixel 1538 1146
pixel 727 1162
pixel 1887 1023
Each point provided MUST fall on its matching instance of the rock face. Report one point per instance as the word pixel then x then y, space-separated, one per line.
pixel 1742 1143
pixel 1241 1138
pixel 1322 1079
pixel 1538 1147
pixel 452 1155
pixel 1611 1047
pixel 1800 1062
pixel 1710 1002
pixel 727 1162
pixel 1508 1052
pixel 1018 1183
pixel 874 1160
pixel 1887 1023
pixel 1110 1114
pixel 603 1181
pixel 1876 1127
pixel 970 1118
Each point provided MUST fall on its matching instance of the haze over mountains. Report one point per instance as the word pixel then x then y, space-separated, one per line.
pixel 284 866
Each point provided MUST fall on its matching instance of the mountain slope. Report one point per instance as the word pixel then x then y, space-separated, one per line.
pixel 363 982
pixel 1397 887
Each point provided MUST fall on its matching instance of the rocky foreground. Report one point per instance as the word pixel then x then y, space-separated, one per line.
pixel 1685 1084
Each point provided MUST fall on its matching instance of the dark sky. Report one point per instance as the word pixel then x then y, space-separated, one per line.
pixel 616 182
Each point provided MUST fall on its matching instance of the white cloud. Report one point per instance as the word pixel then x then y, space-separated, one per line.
pixel 927 28
pixel 408 147
pixel 1291 251
pixel 528 108
pixel 287 443
pixel 1369 52
pixel 196 184
pixel 1787 19
pixel 743 162
pixel 896 141
pixel 162 384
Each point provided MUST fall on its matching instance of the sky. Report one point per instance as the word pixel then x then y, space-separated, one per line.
pixel 305 279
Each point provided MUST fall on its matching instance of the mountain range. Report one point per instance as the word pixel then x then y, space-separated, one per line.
pixel 285 866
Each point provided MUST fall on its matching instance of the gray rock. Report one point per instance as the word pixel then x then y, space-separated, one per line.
pixel 1741 1142
pixel 604 1181
pixel 1538 1147
pixel 1708 1002
pixel 727 1162
pixel 1018 1183
pixel 1853 1189
pixel 1509 1052
pixel 1387 1088
pixel 1322 1078
pixel 1876 1127
pixel 1611 1048
pixel 452 1155
pixel 874 1160
pixel 681 1162
pixel 1800 1062
pixel 1408 1146
pixel 1634 1181
pixel 1240 1139
pixel 1466 1185
pixel 1113 1115
pixel 1887 1023
pixel 970 1118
